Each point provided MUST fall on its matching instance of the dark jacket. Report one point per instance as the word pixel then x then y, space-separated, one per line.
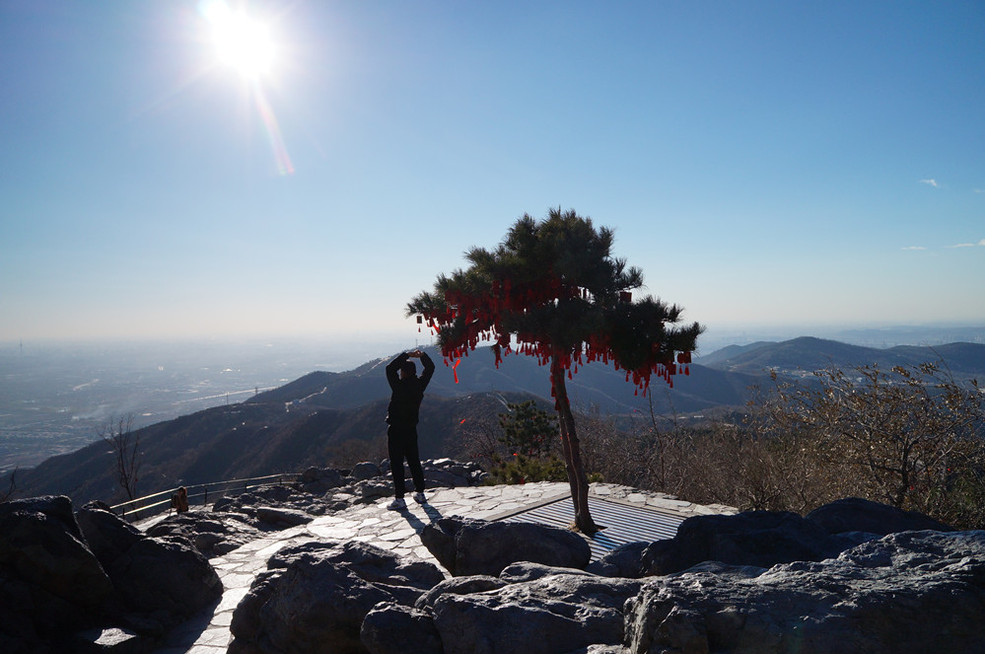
pixel 405 400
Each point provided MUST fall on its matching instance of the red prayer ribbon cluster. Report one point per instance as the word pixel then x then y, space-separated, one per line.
pixel 481 316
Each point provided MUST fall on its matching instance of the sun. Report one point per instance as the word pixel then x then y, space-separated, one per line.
pixel 242 42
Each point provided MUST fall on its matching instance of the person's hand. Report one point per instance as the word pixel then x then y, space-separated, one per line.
pixel 415 354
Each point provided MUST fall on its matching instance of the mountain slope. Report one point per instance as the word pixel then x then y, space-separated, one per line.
pixel 594 385
pixel 311 419
pixel 247 440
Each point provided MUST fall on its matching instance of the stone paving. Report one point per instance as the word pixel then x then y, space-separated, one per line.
pixel 396 531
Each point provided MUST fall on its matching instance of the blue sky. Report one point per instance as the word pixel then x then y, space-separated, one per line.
pixel 770 163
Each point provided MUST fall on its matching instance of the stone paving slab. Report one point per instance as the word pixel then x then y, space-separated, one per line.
pixel 395 531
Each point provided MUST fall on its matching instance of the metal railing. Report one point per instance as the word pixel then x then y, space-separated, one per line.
pixel 159 502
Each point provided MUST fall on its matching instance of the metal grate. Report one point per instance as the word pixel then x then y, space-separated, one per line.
pixel 623 523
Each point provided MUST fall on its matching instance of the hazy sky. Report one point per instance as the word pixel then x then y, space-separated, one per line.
pixel 762 162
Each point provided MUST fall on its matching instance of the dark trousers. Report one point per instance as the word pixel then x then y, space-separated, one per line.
pixel 402 444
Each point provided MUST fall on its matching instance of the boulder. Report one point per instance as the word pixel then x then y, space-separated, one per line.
pixel 909 592
pixel 459 586
pixel 321 480
pixel 48 564
pixel 555 613
pixel 526 571
pixel 762 538
pixel 467 546
pixel 370 490
pixel 51 583
pixel 106 534
pixel 544 610
pixel 213 533
pixel 623 561
pixel 392 627
pixel 854 514
pixel 315 596
pixel 365 470
pixel 282 518
pixel 757 538
pixel 166 577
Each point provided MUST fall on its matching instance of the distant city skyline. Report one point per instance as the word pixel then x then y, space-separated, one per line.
pixel 177 169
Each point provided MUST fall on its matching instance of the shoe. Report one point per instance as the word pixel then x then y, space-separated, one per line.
pixel 419 498
pixel 397 504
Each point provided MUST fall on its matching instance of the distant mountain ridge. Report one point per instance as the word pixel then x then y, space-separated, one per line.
pixel 303 422
pixel 808 353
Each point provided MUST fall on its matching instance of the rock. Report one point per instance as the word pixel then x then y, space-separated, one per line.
pixel 321 480
pixel 477 547
pixel 365 470
pixel 854 514
pixel 459 586
pixel 42 546
pixel 526 571
pixel 451 474
pixel 763 538
pixel 274 495
pixel 553 614
pixel 906 593
pixel 757 538
pixel 552 610
pixel 166 577
pixel 371 490
pixel 282 518
pixel 107 535
pixel 212 533
pixel 391 627
pixel 51 584
pixel 624 561
pixel 316 595
pixel 56 507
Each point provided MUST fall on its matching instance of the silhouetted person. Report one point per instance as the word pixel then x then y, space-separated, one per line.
pixel 179 501
pixel 401 416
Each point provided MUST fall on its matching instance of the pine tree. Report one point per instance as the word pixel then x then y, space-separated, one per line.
pixel 527 429
pixel 553 290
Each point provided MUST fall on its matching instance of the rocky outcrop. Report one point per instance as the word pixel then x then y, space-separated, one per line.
pixel 159 581
pixel 756 582
pixel 51 584
pixel 757 538
pixel 316 596
pixel 70 579
pixel 855 515
pixel 213 533
pixel 550 610
pixel 905 593
pixel 764 538
pixel 916 591
pixel 529 608
pixel 466 546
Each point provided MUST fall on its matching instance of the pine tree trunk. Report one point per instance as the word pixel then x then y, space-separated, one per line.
pixel 572 451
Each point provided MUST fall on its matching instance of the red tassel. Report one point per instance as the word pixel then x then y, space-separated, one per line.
pixel 454 369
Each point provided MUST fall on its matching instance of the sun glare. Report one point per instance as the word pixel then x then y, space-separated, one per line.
pixel 242 42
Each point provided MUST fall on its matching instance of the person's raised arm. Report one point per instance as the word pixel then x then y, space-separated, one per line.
pixel 394 366
pixel 428 369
